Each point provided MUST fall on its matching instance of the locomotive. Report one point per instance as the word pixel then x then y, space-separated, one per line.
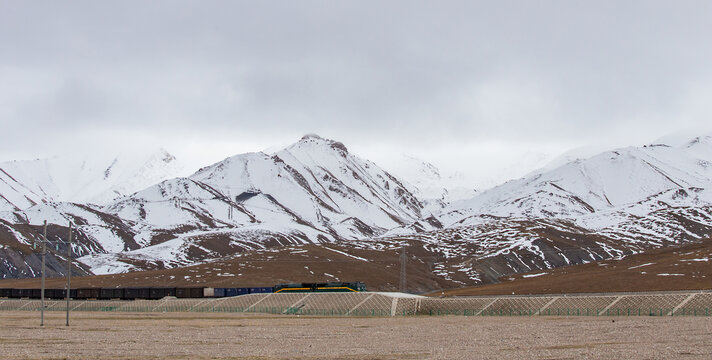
pixel 321 287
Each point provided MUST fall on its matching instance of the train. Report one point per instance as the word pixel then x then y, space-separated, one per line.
pixel 154 293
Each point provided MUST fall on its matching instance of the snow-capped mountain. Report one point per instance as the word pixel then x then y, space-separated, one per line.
pixel 607 181
pixel 63 189
pixel 608 205
pixel 614 203
pixel 88 179
pixel 313 191
pixel 314 183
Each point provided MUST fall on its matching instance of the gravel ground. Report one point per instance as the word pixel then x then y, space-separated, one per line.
pixel 242 336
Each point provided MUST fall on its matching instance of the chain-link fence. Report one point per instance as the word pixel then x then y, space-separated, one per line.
pixel 697 305
pixel 578 305
pixel 454 306
pixel 394 304
pixel 657 304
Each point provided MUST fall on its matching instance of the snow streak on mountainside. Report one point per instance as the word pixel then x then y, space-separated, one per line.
pixel 15 196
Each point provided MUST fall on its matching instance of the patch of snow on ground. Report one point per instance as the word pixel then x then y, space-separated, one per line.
pixel 638 266
pixel 104 264
pixel 345 254
pixel 534 275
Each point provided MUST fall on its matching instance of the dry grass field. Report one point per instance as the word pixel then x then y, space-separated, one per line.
pixel 242 336
pixel 686 267
pixel 667 269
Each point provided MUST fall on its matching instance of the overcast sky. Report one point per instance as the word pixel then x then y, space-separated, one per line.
pixel 465 84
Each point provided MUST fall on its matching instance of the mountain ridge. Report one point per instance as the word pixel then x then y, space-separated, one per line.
pixel 612 204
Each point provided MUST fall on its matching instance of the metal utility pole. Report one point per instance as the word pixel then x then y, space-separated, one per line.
pixel 229 204
pixel 69 269
pixel 402 272
pixel 42 291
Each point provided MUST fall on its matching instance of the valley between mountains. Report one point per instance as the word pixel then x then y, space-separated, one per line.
pixel 314 211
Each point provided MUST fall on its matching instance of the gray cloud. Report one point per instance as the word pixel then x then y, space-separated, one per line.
pixel 395 72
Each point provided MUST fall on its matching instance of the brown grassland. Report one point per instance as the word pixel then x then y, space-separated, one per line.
pixel 249 336
pixel 687 267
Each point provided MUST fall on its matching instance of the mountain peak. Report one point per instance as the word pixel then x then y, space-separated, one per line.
pixel 165 156
pixel 316 139
pixel 311 136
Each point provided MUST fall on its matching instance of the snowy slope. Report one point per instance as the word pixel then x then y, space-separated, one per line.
pixel 435 189
pixel 15 196
pixel 608 205
pixel 89 179
pixel 608 181
pixel 60 190
pixel 93 232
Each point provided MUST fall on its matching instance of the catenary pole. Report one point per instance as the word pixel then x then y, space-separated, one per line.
pixel 402 272
pixel 42 291
pixel 69 269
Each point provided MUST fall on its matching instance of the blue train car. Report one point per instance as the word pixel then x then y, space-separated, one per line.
pixel 230 292
pixel 261 290
pixel 242 291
